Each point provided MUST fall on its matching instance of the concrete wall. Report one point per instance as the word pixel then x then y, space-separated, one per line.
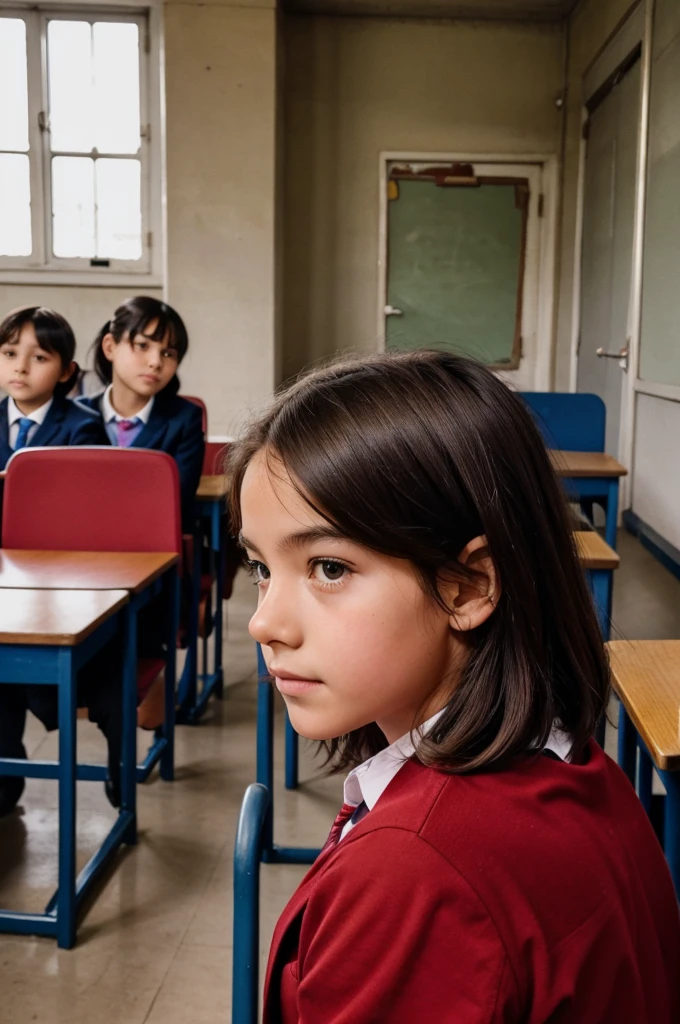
pixel 591 25
pixel 220 75
pixel 355 87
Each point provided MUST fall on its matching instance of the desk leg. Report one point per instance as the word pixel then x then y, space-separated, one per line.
pixel 265 749
pixel 167 765
pixel 612 512
pixel 671 781
pixel 292 755
pixel 218 547
pixel 645 777
pixel 128 774
pixel 600 587
pixel 66 901
pixel 627 753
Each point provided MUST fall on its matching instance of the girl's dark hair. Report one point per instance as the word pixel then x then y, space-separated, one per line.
pixel 413 455
pixel 132 318
pixel 54 335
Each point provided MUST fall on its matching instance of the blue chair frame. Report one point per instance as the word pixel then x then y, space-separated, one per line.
pixel 635 760
pixel 247 858
pixel 271 852
pixel 31 664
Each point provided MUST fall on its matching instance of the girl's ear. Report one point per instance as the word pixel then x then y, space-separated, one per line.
pixel 472 602
pixel 68 372
pixel 108 346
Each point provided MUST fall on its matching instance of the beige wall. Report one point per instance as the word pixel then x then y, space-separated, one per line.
pixel 593 22
pixel 220 80
pixel 86 309
pixel 355 87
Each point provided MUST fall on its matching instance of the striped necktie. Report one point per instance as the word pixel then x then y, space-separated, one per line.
pixel 25 424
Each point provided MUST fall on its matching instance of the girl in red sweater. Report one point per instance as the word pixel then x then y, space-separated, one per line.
pixel 422 611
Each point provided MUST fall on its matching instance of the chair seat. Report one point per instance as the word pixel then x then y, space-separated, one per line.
pixel 646 677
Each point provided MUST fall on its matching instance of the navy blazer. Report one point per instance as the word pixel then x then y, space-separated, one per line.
pixel 66 423
pixel 175 426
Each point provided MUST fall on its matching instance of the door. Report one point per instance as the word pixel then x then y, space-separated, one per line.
pixel 607 246
pixel 463 261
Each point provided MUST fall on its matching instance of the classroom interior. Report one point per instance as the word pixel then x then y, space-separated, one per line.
pixel 278 141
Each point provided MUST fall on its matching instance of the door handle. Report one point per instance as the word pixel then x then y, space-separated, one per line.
pixel 622 355
pixel 393 311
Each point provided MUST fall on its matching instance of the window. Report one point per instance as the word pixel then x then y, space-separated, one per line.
pixel 75 159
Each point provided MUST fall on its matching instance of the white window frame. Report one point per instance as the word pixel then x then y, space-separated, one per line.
pixel 42 267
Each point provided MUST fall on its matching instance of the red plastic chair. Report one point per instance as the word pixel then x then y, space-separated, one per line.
pixel 98 499
pixel 202 406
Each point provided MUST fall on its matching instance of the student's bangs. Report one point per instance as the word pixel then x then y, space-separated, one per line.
pixel 413 455
pixel 165 330
pixel 53 333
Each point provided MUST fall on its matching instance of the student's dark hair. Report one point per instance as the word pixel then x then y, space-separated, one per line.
pixel 54 335
pixel 132 318
pixel 414 455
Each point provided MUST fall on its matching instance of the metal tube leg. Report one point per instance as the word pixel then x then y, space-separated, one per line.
pixel 627 752
pixel 167 764
pixel 645 776
pixel 265 748
pixel 672 826
pixel 128 775
pixel 612 512
pixel 292 755
pixel 218 546
pixel 66 901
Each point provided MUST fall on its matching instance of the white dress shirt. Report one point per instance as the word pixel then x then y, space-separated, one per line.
pixel 366 783
pixel 109 413
pixel 14 415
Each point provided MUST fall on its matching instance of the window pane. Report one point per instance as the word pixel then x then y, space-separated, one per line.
pixel 69 66
pixel 14 83
pixel 119 209
pixel 73 206
pixel 15 205
pixel 116 84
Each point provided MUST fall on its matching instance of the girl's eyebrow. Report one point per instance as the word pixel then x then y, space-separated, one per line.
pixel 298 539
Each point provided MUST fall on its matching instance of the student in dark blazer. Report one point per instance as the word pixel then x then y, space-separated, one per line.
pixel 136 356
pixel 422 611
pixel 37 371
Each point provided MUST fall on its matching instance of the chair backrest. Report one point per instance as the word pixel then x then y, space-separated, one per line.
pixel 572 422
pixel 246 950
pixel 91 499
pixel 213 459
pixel 202 406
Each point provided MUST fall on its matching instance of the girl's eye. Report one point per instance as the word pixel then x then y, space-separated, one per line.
pixel 326 570
pixel 8 352
pixel 258 570
pixel 141 346
pixel 40 359
pixel 169 353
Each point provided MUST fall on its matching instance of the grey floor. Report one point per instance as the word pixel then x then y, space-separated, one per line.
pixel 155 946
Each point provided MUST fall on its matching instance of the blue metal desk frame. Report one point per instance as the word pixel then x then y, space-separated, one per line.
pixel 579 487
pixel 247 858
pixel 271 852
pixel 635 759
pixel 192 704
pixel 31 664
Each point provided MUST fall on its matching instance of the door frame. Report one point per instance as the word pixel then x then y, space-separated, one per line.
pixel 548 165
pixel 634 30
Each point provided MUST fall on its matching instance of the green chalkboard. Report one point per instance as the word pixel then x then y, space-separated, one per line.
pixel 455 268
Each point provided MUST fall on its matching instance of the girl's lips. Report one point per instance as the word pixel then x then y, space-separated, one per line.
pixel 294 687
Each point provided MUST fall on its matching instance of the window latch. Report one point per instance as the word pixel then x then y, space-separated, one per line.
pixel 43 121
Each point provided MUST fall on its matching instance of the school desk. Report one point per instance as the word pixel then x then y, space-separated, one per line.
pixel 211 509
pixel 599 562
pixel 595 556
pixel 46 636
pixel 646 677
pixel 142 575
pixel 590 475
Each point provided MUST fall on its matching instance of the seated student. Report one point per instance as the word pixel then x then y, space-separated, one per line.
pixel 136 355
pixel 422 611
pixel 37 371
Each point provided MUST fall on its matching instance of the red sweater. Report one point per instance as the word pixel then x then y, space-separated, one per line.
pixel 535 894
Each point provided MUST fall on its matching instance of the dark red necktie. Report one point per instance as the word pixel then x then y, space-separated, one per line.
pixel 345 813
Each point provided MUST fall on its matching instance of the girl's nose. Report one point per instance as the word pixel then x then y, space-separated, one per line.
pixel 276 620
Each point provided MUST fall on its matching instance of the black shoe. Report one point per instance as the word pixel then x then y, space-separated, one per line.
pixel 112 793
pixel 11 788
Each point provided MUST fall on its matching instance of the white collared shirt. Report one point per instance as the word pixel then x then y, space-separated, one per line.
pixel 14 415
pixel 368 781
pixel 110 415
